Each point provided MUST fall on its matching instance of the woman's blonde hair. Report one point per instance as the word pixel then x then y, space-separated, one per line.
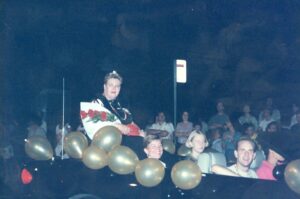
pixel 189 141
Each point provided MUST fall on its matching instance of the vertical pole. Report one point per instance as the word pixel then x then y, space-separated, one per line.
pixel 175 96
pixel 63 120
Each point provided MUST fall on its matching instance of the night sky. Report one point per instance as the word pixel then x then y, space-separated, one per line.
pixel 238 51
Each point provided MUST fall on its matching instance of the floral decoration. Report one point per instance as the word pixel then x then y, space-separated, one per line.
pixel 96 116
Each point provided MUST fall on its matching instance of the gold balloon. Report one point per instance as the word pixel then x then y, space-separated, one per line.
pixel 107 138
pixel 183 150
pixel 122 160
pixel 186 174
pixel 94 157
pixel 292 175
pixel 149 172
pixel 74 144
pixel 169 146
pixel 38 148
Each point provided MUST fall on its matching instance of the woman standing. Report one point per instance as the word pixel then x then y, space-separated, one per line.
pixel 184 128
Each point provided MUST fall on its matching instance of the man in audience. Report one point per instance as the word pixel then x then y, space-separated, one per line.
pixel 296 127
pixel 230 138
pixel 295 109
pixel 274 113
pixel 247 117
pixel 162 127
pixel 265 120
pixel 249 130
pixel 220 119
pixel 216 135
pixel 245 154
pixel 273 127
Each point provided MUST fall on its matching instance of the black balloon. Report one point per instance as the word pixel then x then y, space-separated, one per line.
pixel 278 172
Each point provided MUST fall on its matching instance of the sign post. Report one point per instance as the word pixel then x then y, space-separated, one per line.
pixel 180 77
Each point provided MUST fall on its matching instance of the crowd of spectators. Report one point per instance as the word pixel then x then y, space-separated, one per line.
pixel 219 134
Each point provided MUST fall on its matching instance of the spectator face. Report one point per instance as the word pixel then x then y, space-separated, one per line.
pixel 161 117
pixel 266 114
pixel 269 102
pixel 220 107
pixel 244 153
pixel 154 149
pixel 199 143
pixel 246 109
pixel 272 128
pixel 295 108
pixel 198 127
pixel 250 131
pixel 185 116
pixel 298 118
pixel 216 134
pixel 112 88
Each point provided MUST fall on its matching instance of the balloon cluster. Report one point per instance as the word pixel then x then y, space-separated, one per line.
pixel 105 150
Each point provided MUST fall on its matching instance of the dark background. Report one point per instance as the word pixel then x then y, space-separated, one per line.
pixel 238 51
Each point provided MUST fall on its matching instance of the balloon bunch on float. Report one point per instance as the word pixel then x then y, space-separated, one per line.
pixel 105 140
pixel 105 150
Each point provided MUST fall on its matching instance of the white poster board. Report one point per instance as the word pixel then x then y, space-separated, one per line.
pixel 94 116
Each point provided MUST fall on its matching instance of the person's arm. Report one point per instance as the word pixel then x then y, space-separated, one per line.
pixel 123 128
pixel 161 133
pixel 217 169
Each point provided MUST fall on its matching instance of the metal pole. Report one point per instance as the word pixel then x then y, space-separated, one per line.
pixel 175 96
pixel 63 120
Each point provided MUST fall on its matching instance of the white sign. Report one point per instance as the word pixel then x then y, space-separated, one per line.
pixel 180 70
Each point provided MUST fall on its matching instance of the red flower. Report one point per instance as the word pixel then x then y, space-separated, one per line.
pixel 103 116
pixel 91 113
pixel 83 114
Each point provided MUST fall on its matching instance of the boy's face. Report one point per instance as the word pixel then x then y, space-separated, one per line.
pixel 154 149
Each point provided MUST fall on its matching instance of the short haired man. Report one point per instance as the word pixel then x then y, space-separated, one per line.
pixel 153 148
pixel 245 154
pixel 161 127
